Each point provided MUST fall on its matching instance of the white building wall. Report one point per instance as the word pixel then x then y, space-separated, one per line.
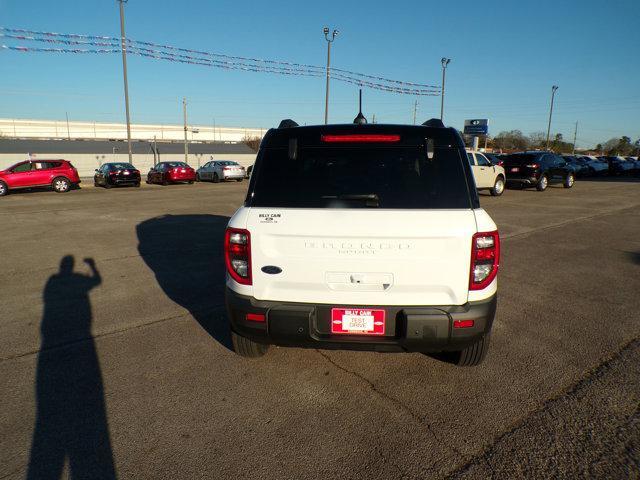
pixel 16 128
pixel 87 163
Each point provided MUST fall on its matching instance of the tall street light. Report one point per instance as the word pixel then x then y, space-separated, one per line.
pixel 553 94
pixel 445 62
pixel 123 43
pixel 329 42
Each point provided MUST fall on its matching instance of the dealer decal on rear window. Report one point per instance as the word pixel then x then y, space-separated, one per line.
pixel 269 217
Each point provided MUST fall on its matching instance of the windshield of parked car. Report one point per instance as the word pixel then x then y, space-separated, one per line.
pixel 227 163
pixel 176 164
pixel 122 166
pixel 361 177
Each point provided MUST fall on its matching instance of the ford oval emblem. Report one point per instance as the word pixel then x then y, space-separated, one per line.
pixel 271 269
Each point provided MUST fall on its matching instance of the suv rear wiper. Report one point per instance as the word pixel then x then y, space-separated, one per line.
pixel 371 199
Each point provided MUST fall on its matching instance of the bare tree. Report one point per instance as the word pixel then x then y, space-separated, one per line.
pixel 252 142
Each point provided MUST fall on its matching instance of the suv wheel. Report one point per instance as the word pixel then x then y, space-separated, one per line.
pixel 3 189
pixel 61 185
pixel 498 187
pixel 543 183
pixel 569 181
pixel 247 348
pixel 474 354
pixel 198 177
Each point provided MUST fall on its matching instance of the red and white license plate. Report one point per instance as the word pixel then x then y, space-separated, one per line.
pixel 358 321
pixel 125 172
pixel 515 169
pixel 183 170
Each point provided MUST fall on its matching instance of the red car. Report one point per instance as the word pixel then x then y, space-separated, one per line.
pixel 60 175
pixel 171 172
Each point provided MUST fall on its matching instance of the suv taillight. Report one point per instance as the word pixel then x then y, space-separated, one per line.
pixel 237 254
pixel 485 258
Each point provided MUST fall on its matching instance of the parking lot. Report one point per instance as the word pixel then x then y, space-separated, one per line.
pixel 133 375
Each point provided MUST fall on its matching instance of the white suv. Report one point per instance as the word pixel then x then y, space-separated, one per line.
pixel 365 237
pixel 488 176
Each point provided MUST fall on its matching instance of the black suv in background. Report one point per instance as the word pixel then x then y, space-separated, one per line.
pixel 537 169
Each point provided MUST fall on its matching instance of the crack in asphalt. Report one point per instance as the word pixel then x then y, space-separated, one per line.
pixel 587 379
pixel 395 401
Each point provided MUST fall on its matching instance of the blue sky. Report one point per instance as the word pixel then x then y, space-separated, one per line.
pixel 505 55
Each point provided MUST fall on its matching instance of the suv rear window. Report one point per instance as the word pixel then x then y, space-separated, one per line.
pixel 521 158
pixel 397 177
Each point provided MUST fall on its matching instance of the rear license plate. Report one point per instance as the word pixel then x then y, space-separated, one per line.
pixel 183 171
pixel 125 173
pixel 515 169
pixel 358 321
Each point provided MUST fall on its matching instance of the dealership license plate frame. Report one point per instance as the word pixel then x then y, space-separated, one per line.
pixel 355 321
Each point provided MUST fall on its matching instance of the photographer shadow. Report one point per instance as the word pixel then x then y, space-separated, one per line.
pixel 71 420
pixel 186 254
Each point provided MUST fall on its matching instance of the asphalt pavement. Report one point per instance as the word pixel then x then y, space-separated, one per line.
pixel 115 358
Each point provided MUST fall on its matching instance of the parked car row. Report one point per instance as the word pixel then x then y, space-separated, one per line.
pixel 536 169
pixel 61 176
pixel 590 165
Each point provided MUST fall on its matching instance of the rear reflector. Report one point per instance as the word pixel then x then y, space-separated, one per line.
pixel 360 138
pixel 462 323
pixel 257 317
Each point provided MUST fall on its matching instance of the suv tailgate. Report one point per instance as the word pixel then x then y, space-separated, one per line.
pixel 361 256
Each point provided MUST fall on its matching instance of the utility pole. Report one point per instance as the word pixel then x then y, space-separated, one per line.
pixel 445 62
pixel 68 133
pixel 155 152
pixel 553 94
pixel 123 43
pixel 186 145
pixel 415 111
pixel 575 135
pixel 214 129
pixel 373 120
pixel 326 96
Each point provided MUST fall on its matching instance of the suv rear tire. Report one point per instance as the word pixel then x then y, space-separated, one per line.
pixel 498 187
pixel 474 354
pixel 543 183
pixel 247 348
pixel 61 185
pixel 569 180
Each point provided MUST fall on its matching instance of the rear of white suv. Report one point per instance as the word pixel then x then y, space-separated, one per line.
pixel 362 237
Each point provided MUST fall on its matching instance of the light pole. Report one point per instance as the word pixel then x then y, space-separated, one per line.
pixel 329 42
pixel 553 94
pixel 445 62
pixel 186 145
pixel 123 43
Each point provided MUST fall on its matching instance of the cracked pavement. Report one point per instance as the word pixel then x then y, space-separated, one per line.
pixel 557 396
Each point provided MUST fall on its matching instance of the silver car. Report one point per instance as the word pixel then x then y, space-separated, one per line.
pixel 217 170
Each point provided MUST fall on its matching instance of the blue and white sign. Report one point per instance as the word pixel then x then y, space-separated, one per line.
pixel 477 126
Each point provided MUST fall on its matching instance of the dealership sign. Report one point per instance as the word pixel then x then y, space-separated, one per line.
pixel 478 126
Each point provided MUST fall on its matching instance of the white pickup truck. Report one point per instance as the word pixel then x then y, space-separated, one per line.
pixel 363 237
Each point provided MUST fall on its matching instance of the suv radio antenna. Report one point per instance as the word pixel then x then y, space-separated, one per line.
pixel 360 119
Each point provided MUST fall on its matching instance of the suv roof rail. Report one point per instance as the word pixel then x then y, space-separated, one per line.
pixel 434 122
pixel 288 123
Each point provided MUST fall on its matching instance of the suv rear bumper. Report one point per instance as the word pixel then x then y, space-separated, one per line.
pixel 410 328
